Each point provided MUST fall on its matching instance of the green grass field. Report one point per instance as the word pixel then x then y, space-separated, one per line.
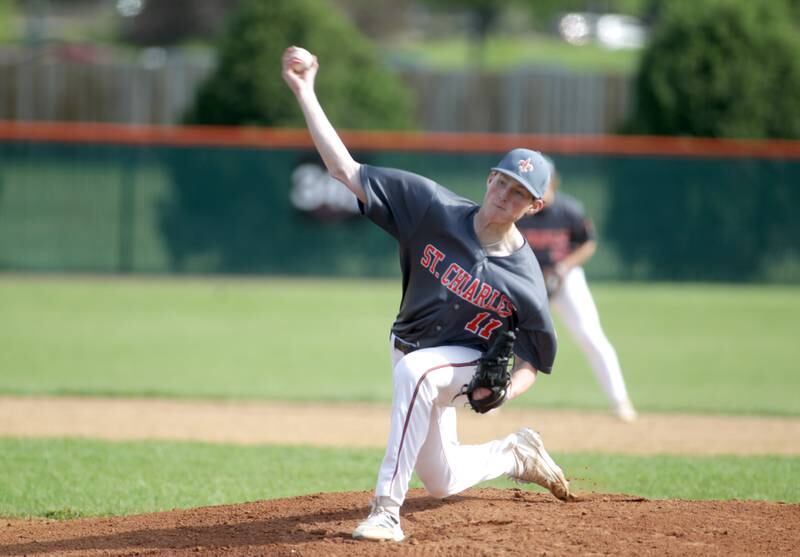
pixel 707 349
pixel 71 478
pixel 507 53
pixel 712 349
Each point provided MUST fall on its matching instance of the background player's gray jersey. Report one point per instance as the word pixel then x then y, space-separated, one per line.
pixel 453 293
pixel 557 230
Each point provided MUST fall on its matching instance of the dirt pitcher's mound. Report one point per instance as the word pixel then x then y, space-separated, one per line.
pixel 478 522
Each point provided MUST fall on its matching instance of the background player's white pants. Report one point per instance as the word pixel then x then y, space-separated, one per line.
pixel 423 432
pixel 575 306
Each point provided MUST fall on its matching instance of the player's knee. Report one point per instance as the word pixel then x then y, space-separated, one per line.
pixel 437 492
pixel 596 342
pixel 438 487
pixel 588 336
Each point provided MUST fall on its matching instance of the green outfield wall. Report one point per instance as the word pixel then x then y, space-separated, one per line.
pixel 135 206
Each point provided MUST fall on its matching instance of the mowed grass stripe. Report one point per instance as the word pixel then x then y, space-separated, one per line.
pixel 67 478
pixel 695 348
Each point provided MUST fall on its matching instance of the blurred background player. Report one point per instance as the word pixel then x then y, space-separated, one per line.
pixel 562 237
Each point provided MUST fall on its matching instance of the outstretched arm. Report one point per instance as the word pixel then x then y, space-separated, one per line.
pixel 337 158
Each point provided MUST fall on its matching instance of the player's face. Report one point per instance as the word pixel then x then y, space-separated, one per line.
pixel 506 199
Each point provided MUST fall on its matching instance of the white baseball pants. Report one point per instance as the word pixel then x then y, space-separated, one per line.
pixel 423 435
pixel 574 304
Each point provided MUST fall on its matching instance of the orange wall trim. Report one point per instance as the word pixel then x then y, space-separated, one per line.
pixel 274 138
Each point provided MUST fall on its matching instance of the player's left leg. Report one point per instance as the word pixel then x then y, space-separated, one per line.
pixel 424 381
pixel 576 307
pixel 420 380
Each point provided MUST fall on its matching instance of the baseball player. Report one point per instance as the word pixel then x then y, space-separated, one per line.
pixel 562 237
pixel 467 273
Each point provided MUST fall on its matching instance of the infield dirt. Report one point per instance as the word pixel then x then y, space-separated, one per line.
pixel 367 425
pixel 476 522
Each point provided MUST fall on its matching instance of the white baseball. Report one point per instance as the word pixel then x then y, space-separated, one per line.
pixel 302 60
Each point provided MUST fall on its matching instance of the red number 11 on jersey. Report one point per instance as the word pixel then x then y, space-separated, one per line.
pixel 484 331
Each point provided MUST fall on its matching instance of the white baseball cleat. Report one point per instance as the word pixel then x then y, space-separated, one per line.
pixel 381 524
pixel 624 411
pixel 534 465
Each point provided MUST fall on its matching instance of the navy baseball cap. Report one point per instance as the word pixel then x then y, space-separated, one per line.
pixel 529 168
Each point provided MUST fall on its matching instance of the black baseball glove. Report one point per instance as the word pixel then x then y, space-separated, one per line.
pixel 493 373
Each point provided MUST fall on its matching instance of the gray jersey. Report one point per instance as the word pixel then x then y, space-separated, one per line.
pixel 453 293
pixel 557 230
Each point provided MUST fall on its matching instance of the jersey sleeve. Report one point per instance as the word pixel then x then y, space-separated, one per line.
pixel 586 230
pixel 537 342
pixel 396 200
pixel 581 228
pixel 582 231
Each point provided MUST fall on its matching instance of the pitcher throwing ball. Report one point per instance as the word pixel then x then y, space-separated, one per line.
pixel 472 293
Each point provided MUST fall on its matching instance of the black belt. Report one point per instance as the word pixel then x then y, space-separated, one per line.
pixel 403 346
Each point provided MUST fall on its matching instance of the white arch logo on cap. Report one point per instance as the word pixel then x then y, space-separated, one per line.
pixel 525 165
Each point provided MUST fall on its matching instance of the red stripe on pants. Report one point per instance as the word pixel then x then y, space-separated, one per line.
pixel 411 407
